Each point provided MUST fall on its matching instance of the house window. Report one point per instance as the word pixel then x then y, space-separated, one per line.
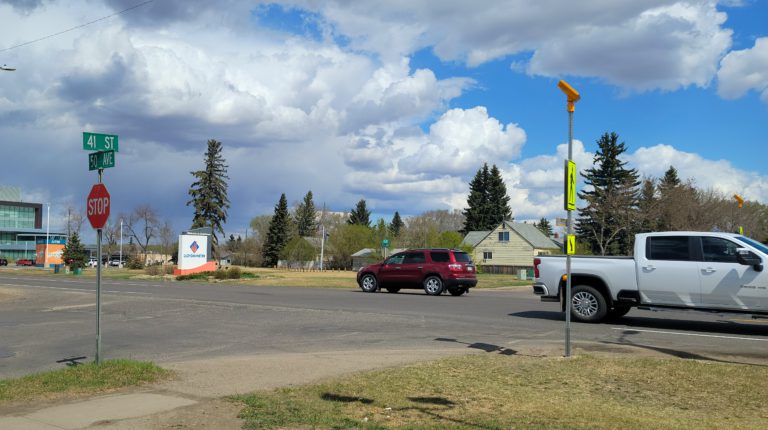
pixel 503 236
pixel 487 255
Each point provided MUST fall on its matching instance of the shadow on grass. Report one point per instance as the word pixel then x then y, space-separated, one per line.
pixel 345 399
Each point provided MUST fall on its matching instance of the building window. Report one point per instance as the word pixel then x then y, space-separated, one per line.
pixel 487 255
pixel 503 236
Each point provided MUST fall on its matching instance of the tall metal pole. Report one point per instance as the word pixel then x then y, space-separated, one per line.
pixel 121 243
pixel 47 231
pixel 568 255
pixel 322 246
pixel 98 288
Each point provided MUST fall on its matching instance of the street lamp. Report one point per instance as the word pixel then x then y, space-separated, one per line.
pixel 570 206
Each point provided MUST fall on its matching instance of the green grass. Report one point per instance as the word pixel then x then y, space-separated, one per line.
pixel 87 378
pixel 505 392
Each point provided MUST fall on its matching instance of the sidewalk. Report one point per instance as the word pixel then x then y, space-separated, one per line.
pixel 193 400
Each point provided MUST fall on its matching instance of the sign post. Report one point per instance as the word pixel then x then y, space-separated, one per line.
pixel 570 206
pixel 98 205
pixel 97 208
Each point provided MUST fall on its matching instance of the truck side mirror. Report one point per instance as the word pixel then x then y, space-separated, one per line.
pixel 749 258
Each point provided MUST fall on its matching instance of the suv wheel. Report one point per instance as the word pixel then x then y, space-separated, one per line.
pixel 433 285
pixel 368 283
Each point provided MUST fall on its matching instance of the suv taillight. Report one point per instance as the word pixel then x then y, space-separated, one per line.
pixel 454 267
pixel 536 262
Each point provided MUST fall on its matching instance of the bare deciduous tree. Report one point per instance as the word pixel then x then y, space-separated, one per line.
pixel 143 226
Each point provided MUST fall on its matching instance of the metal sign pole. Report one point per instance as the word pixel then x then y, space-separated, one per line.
pixel 568 255
pixel 98 289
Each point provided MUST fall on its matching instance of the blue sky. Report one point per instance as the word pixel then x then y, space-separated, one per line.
pixel 395 102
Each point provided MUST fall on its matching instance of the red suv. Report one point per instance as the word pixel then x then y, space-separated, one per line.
pixel 435 270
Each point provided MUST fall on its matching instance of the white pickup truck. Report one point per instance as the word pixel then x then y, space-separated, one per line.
pixel 716 272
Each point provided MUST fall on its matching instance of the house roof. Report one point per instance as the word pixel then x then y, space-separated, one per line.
pixel 532 235
pixel 365 252
pixel 528 232
pixel 473 238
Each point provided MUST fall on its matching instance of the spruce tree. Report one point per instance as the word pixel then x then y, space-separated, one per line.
pixel 360 215
pixel 277 235
pixel 477 201
pixel 606 223
pixel 648 207
pixel 209 193
pixel 306 216
pixel 396 225
pixel 498 200
pixel 74 252
pixel 544 226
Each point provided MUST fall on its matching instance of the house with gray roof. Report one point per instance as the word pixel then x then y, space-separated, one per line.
pixel 509 247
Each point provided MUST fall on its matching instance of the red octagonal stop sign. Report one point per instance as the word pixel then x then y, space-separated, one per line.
pixel 97 206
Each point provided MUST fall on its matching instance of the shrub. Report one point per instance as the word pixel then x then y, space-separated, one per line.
pixel 153 270
pixel 234 273
pixel 220 274
pixel 201 275
pixel 134 262
pixel 168 269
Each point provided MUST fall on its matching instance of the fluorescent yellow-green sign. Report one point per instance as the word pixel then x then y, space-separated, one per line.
pixel 570 186
pixel 570 244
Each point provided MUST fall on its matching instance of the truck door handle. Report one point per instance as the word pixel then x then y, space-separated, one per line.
pixel 709 270
pixel 649 267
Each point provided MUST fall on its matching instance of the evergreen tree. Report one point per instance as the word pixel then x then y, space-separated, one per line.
pixel 606 223
pixel 277 235
pixel 544 226
pixel 209 193
pixel 396 225
pixel 648 207
pixel 477 201
pixel 498 200
pixel 360 215
pixel 306 216
pixel 74 252
pixel 670 181
pixel 488 202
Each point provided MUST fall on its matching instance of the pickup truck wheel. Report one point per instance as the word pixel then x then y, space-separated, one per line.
pixel 587 304
pixel 392 289
pixel 618 311
pixel 433 285
pixel 368 283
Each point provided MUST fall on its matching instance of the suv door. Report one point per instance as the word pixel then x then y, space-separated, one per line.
pixel 391 270
pixel 668 272
pixel 413 267
pixel 724 282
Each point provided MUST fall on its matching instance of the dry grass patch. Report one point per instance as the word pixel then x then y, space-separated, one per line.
pixel 501 392
pixel 88 378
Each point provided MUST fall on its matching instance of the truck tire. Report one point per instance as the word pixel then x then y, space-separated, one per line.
pixel 618 311
pixel 587 304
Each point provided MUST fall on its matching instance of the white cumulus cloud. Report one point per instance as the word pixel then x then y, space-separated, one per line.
pixel 745 70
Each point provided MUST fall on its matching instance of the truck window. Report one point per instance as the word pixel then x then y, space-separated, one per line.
pixel 414 257
pixel 719 250
pixel 668 248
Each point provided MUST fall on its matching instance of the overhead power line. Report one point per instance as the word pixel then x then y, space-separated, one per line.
pixel 78 26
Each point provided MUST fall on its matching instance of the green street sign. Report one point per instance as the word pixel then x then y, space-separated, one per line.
pixel 385 243
pixel 101 160
pixel 99 142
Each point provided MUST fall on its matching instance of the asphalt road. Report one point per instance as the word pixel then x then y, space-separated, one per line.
pixel 55 318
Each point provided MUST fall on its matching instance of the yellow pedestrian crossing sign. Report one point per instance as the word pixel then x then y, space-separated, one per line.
pixel 570 185
pixel 570 244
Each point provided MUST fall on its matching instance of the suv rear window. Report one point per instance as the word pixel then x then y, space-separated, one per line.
pixel 414 257
pixel 440 257
pixel 462 257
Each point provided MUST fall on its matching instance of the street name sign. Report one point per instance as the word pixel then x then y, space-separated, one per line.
pixel 97 206
pixel 99 142
pixel 101 160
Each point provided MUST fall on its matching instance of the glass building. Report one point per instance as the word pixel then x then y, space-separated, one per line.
pixel 21 227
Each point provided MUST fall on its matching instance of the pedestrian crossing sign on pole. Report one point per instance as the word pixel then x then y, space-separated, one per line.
pixel 570 185
pixel 570 247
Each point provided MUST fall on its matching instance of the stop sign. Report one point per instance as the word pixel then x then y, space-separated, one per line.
pixel 97 206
